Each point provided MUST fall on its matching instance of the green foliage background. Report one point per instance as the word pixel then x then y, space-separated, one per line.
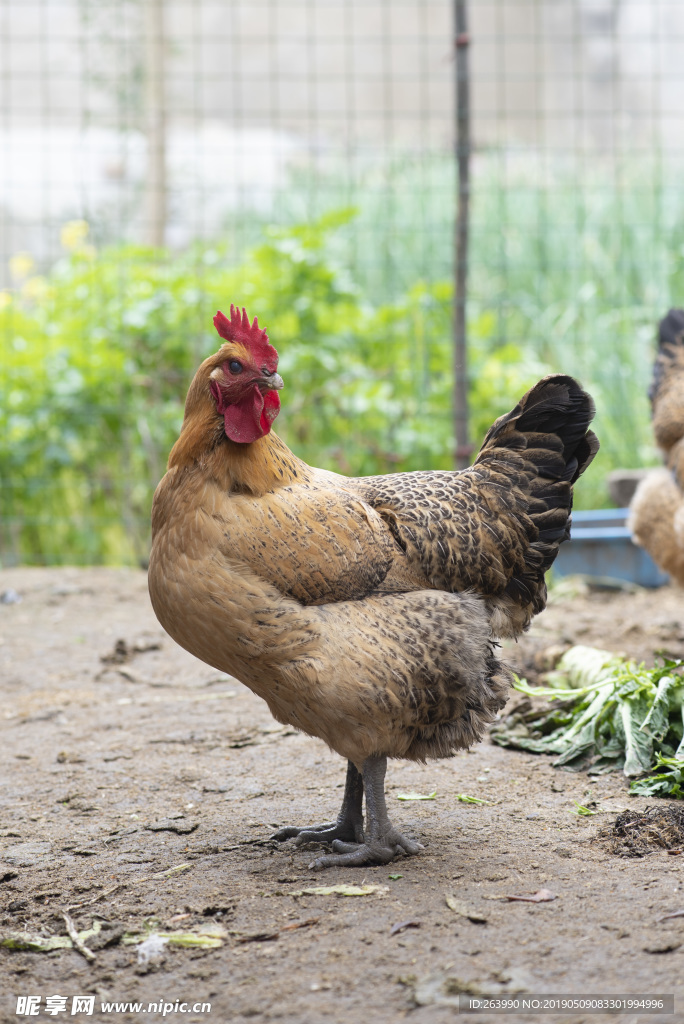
pixel 97 354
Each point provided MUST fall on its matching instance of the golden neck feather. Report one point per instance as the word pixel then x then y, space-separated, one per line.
pixel 255 468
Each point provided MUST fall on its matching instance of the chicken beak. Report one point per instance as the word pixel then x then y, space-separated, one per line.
pixel 274 382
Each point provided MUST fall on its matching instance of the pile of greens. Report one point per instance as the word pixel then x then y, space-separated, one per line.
pixel 605 713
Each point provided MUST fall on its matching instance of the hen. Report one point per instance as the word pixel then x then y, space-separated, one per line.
pixel 364 611
pixel 657 508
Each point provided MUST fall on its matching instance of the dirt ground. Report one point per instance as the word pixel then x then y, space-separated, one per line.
pixel 117 771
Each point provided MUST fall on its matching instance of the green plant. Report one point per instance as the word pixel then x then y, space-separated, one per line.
pixel 571 264
pixel 606 714
pixel 569 273
pixel 666 779
pixel 97 356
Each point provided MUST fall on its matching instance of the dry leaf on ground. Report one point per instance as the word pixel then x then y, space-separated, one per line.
pixel 417 796
pixel 541 896
pixel 342 890
pixel 396 928
pixel 465 910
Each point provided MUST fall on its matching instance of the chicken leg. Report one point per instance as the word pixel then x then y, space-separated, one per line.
pixel 349 825
pixel 379 844
pixel 382 842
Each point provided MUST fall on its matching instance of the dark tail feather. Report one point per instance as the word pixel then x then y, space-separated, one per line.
pixel 559 406
pixel 667 388
pixel 549 427
pixel 670 339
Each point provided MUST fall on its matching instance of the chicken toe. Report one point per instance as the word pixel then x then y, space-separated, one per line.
pixel 394 844
pixel 349 825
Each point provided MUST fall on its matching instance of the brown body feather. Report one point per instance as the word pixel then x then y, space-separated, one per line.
pixel 363 610
pixel 657 509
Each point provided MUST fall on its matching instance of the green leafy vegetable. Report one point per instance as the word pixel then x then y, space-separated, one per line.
pixel 606 713
pixel 668 781
pixel 584 812
pixel 35 943
pixel 206 936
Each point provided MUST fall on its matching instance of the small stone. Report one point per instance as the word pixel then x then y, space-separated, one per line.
pixel 465 910
pixel 663 946
pixel 180 827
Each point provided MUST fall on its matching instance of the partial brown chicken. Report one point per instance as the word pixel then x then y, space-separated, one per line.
pixel 364 611
pixel 657 508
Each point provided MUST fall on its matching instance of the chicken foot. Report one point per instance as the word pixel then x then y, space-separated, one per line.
pixel 349 825
pixel 381 841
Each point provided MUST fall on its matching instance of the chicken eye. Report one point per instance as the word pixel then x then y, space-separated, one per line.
pixel 234 366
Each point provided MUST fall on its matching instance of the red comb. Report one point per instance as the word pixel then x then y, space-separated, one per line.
pixel 253 337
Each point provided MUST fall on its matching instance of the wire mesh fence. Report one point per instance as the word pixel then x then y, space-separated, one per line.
pixel 161 159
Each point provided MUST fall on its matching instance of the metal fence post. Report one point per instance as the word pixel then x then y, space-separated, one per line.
pixel 463 448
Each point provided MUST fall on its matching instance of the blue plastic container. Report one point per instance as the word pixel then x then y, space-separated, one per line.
pixel 602 546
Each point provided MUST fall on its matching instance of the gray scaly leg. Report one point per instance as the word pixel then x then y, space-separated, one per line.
pixel 382 842
pixel 349 825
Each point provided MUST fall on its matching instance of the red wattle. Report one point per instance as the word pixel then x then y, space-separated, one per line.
pixel 270 410
pixel 251 418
